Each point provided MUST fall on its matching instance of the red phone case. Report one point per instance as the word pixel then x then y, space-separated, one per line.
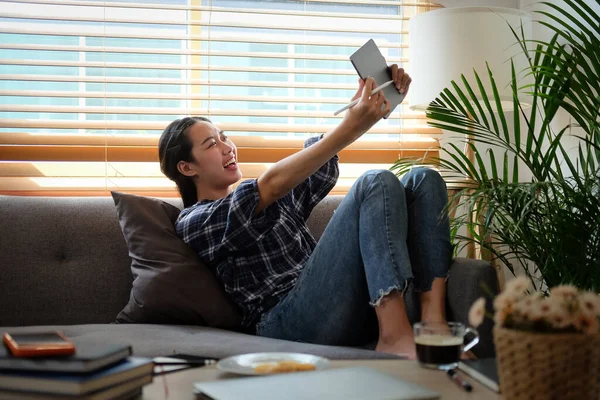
pixel 41 349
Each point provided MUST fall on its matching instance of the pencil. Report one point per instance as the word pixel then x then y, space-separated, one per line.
pixel 355 102
pixel 188 362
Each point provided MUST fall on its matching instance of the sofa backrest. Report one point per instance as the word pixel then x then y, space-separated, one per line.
pixel 63 260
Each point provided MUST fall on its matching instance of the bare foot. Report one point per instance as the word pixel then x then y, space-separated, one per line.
pixel 434 320
pixel 403 347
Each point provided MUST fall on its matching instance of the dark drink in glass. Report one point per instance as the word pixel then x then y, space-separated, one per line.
pixel 438 351
pixel 440 344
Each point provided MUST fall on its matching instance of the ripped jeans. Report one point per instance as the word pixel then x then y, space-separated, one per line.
pixel 385 235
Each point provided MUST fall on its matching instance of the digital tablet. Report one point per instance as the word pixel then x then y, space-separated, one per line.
pixel 368 61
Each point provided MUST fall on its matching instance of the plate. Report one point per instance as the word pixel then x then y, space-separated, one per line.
pixel 244 364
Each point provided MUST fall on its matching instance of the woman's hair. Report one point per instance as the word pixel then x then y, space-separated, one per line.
pixel 174 146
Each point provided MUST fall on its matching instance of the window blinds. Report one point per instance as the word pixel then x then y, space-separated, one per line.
pixel 86 87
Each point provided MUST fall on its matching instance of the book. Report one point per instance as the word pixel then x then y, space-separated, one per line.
pixel 125 391
pixel 88 357
pixel 484 370
pixel 76 384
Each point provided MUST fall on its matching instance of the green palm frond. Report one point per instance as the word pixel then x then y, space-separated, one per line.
pixel 549 225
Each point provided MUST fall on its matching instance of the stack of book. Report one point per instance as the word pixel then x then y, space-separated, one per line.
pixel 96 371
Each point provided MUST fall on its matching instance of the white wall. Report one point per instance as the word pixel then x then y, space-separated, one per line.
pixel 540 32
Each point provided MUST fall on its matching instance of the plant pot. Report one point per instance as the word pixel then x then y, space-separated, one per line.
pixel 547 365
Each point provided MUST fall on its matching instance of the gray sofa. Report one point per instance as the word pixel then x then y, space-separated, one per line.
pixel 64 264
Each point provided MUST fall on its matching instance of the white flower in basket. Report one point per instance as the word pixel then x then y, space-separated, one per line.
pixel 546 347
pixel 565 310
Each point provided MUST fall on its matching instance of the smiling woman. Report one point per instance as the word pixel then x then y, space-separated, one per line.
pixel 85 90
pixel 391 234
pixel 194 153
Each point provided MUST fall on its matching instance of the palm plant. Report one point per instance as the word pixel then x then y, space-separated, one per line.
pixel 549 225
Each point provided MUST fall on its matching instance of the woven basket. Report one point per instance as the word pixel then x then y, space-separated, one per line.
pixel 546 366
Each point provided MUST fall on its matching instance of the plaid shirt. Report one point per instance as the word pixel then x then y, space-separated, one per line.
pixel 258 258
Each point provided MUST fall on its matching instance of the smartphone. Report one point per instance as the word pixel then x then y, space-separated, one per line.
pixel 43 344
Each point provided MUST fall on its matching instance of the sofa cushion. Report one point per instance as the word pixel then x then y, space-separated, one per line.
pixel 63 260
pixel 170 286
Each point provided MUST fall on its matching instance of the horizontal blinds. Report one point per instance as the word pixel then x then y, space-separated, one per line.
pixel 86 87
pixel 142 148
pixel 297 25
pixel 215 37
pixel 196 7
pixel 151 125
pixel 191 111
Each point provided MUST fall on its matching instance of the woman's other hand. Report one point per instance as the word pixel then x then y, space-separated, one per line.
pixel 401 79
pixel 369 110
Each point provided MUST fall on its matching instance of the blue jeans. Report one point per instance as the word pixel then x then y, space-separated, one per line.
pixel 385 235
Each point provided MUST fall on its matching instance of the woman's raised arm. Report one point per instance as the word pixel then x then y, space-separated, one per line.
pixel 286 174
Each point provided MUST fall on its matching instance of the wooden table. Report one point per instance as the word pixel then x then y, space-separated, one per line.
pixel 180 383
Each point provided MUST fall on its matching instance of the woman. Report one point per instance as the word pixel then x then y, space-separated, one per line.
pixel 347 289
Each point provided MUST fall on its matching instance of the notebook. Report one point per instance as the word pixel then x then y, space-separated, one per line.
pixel 88 357
pixel 368 61
pixel 76 384
pixel 124 391
pixel 331 384
pixel 483 370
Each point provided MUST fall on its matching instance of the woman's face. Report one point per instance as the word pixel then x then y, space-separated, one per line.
pixel 214 166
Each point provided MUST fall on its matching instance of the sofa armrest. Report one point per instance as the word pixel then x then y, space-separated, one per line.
pixel 468 280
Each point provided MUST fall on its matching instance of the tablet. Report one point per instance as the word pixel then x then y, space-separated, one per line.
pixel 368 61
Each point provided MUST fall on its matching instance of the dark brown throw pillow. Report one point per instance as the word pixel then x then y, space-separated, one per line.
pixel 170 285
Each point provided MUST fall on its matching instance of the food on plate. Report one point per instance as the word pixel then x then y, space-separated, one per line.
pixel 283 366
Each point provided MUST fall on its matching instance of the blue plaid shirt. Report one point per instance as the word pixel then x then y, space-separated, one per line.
pixel 258 258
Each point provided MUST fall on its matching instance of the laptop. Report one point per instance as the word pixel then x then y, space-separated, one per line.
pixel 332 384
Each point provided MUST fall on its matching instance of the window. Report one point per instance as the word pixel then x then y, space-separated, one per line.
pixel 86 87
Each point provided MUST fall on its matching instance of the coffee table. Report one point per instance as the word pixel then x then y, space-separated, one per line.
pixel 180 383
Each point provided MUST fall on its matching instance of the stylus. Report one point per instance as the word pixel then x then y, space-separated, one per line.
pixel 355 102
